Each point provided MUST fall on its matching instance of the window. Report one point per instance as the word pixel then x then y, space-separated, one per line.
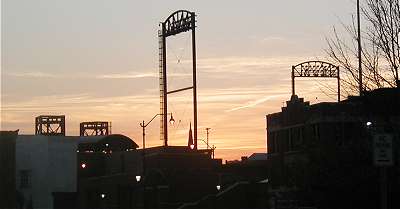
pixel 122 163
pixel 25 179
pixel 316 131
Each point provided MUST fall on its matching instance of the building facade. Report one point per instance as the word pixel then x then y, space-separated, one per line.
pixel 45 167
pixel 322 152
pixel 7 169
pixel 169 177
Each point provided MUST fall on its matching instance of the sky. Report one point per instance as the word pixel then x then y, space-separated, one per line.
pixel 97 60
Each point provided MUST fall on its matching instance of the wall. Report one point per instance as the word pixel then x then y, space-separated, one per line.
pixel 51 162
pixel 7 169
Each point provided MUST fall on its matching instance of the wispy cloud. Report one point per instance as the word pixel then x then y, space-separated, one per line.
pixel 127 75
pixel 133 75
pixel 247 65
pixel 269 39
pixel 32 75
pixel 254 103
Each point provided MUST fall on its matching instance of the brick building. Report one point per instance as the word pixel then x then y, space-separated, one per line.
pixel 317 151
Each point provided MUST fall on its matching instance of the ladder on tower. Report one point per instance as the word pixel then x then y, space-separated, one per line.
pixel 161 81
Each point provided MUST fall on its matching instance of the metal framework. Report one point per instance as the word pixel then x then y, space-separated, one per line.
pixel 178 22
pixel 95 128
pixel 50 125
pixel 316 69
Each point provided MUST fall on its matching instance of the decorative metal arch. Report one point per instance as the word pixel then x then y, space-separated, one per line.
pixel 316 69
pixel 178 22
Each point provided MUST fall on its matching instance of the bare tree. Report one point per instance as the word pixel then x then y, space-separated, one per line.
pixel 380 48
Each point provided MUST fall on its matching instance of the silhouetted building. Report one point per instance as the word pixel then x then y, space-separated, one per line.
pixel 45 169
pixel 248 169
pixel 323 152
pixel 7 169
pixel 242 194
pixel 173 175
pixel 241 184
pixel 48 166
pixel 103 162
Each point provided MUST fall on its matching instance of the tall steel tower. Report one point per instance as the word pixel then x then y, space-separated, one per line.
pixel 178 22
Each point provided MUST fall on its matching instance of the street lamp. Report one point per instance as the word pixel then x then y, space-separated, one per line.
pixel 144 125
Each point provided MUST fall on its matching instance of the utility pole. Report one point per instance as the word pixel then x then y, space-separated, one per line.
pixel 207 129
pixel 359 49
pixel 144 147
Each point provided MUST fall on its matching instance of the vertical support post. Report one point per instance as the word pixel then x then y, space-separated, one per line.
pixel 338 84
pixel 194 79
pixel 383 172
pixel 38 128
pixel 359 49
pixel 208 129
pixel 63 125
pixel 164 63
pixel 293 93
pixel 144 147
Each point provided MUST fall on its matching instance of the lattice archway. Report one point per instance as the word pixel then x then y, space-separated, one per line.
pixel 316 69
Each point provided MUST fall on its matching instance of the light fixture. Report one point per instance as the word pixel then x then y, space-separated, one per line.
pixel 103 195
pixel 138 178
pixel 218 187
pixel 369 123
pixel 107 145
pixel 83 165
pixel 191 146
pixel 171 120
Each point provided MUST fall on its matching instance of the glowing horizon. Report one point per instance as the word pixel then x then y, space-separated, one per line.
pixel 98 61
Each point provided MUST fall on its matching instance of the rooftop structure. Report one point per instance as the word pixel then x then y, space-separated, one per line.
pixel 95 128
pixel 51 125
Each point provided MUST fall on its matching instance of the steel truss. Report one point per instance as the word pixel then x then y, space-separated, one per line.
pixel 51 125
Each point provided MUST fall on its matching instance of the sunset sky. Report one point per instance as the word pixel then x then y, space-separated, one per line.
pixel 98 60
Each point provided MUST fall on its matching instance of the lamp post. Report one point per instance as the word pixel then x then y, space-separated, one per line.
pixel 144 125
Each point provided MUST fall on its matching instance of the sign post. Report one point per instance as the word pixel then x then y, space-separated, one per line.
pixel 383 157
pixel 383 150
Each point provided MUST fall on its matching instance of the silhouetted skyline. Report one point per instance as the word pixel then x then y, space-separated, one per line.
pixel 98 60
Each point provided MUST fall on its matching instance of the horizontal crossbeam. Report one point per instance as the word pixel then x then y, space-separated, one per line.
pixel 178 90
